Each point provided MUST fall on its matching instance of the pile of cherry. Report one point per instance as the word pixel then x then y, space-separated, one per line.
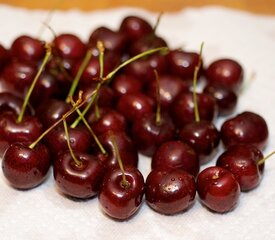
pixel 93 107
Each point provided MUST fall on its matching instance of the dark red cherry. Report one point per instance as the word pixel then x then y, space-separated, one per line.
pixel 10 102
pixel 110 120
pixel 28 130
pixel 127 150
pixel 4 56
pixel 79 181
pixel 169 88
pixel 218 189
pixel 176 155
pixel 182 63
pixel 112 40
pixel 226 98
pixel 121 201
pixel 126 84
pixel 51 110
pixel 27 49
pixel 80 140
pixel 203 137
pixel 19 74
pixel 246 127
pixel 68 46
pixel 24 167
pixel 183 108
pixel 226 72
pixel 148 134
pixel 135 27
pixel 170 191
pixel 135 105
pixel 242 160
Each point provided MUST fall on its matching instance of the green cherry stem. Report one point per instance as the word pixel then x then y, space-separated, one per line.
pixel 195 77
pixel 157 23
pixel 79 74
pixel 30 90
pixel 265 158
pixel 77 162
pixel 124 183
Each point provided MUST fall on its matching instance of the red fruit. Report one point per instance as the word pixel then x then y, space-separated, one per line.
pixel 218 189
pixel 170 192
pixel 121 201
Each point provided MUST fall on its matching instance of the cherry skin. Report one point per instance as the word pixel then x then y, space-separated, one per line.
pixel 134 106
pixel 80 140
pixel 26 168
pixel 27 49
pixel 226 98
pixel 148 134
pixel 4 56
pixel 225 72
pixel 135 27
pixel 203 137
pixel 121 201
pixel 182 109
pixel 182 63
pixel 79 181
pixel 246 127
pixel 170 87
pixel 126 147
pixel 170 192
pixel 242 160
pixel 218 189
pixel 176 155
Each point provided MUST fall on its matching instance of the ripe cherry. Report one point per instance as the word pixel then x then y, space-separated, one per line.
pixel 246 127
pixel 218 189
pixel 170 191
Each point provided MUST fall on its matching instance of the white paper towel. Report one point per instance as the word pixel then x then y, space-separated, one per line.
pixel 42 213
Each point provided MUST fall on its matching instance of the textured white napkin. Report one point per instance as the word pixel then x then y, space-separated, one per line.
pixel 42 213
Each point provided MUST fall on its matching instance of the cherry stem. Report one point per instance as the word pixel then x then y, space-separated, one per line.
pixel 30 90
pixel 195 77
pixel 78 104
pixel 157 23
pixel 265 158
pixel 103 151
pixel 86 109
pixel 77 162
pixel 124 183
pixel 158 111
pixel 79 74
pixel 163 50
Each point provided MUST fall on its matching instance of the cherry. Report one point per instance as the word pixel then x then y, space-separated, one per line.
pixel 118 199
pixel 226 72
pixel 176 155
pixel 226 98
pixel 218 189
pixel 134 106
pixel 79 181
pixel 246 127
pixel 79 137
pixel 4 56
pixel 126 84
pixel 148 133
pixel 203 137
pixel 113 41
pixel 243 161
pixel 135 27
pixel 170 87
pixel 26 167
pixel 170 191
pixel 183 108
pixel 183 63
pixel 27 49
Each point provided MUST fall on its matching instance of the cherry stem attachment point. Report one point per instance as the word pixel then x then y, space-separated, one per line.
pixel 195 78
pixel 30 90
pixel 158 111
